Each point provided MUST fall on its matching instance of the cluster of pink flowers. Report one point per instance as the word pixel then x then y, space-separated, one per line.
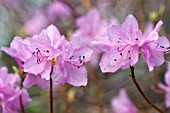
pixel 10 92
pixel 50 54
pixel 121 46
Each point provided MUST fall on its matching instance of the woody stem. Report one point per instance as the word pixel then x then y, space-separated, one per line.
pixel 51 92
pixel 141 92
pixel 20 97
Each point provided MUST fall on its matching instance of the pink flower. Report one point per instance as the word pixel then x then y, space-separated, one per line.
pixel 10 92
pixel 18 51
pixel 166 87
pixel 34 55
pixel 36 23
pixel 69 67
pixel 120 45
pixel 43 49
pixel 153 47
pixel 122 104
pixel 56 10
pixel 90 25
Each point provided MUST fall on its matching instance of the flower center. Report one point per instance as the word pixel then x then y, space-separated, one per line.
pixel 41 56
pixel 77 61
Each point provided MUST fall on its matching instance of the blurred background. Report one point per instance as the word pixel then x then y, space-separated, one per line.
pixel 27 17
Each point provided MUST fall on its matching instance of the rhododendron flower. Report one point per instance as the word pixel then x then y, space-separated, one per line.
pixel 120 45
pixel 18 51
pixel 10 92
pixel 166 87
pixel 36 23
pixel 43 49
pixel 56 10
pixel 90 25
pixel 153 47
pixel 122 103
pixel 70 64
pixel 34 54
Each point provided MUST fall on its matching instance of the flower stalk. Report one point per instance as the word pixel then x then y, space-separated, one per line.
pixel 21 86
pixel 141 92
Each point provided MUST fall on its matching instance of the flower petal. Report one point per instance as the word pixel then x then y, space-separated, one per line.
pixel 33 67
pixel 59 75
pixel 76 76
pixel 102 43
pixel 46 73
pixel 110 61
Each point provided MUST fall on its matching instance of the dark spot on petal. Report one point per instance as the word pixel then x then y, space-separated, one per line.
pixel 121 54
pixel 114 59
pixel 136 39
pixel 81 61
pixel 129 57
pixel 83 57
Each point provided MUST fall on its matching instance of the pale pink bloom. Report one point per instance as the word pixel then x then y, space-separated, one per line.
pixel 120 45
pixel 153 47
pixel 10 92
pixel 69 67
pixel 56 10
pixel 36 23
pixel 122 103
pixel 166 87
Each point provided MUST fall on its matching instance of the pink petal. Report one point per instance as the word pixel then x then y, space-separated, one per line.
pixel 167 75
pixel 102 43
pixel 114 33
pixel 122 103
pixel 31 80
pixel 110 61
pixel 31 66
pixel 46 73
pixel 167 99
pixel 154 34
pixel 130 27
pixel 76 76
pixel 54 35
pixel 152 56
pixel 59 75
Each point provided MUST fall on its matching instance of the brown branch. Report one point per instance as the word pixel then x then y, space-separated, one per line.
pixel 141 92
pixel 99 94
pixel 22 74
pixel 51 91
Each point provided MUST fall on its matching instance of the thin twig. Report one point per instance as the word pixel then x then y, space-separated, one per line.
pixel 20 97
pixel 141 92
pixel 51 91
pixel 99 94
